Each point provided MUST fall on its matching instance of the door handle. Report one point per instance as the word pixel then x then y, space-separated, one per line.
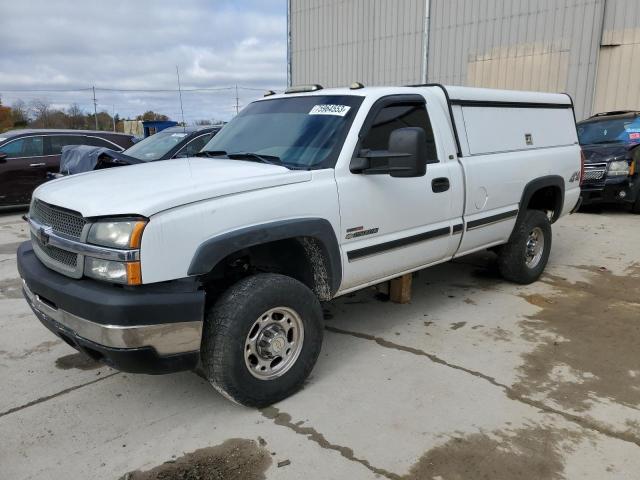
pixel 440 184
pixel 37 164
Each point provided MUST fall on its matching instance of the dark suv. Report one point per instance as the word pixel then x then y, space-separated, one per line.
pixel 27 156
pixel 610 144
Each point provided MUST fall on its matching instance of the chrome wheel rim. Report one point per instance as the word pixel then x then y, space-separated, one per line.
pixel 273 343
pixel 534 247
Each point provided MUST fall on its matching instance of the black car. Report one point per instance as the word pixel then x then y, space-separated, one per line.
pixel 610 145
pixel 173 142
pixel 28 157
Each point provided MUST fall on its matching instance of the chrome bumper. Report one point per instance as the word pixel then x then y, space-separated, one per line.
pixel 166 339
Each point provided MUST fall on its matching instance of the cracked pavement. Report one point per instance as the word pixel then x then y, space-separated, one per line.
pixel 476 378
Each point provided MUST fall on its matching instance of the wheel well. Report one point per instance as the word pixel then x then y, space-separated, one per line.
pixel 547 199
pixel 302 258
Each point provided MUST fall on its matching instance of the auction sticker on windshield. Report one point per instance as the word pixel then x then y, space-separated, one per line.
pixel 327 109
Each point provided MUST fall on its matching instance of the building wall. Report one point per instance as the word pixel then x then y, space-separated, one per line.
pixel 337 42
pixel 542 45
pixel 618 80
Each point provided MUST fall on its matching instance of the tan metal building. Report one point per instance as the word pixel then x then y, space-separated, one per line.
pixel 583 47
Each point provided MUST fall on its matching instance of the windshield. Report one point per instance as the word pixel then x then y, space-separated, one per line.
pixel 155 146
pixel 616 130
pixel 298 132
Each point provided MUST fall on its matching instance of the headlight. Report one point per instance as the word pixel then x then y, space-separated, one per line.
pixel 117 234
pixel 618 168
pixel 123 234
pixel 127 273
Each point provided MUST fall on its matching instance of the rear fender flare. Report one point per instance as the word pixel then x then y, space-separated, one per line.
pixel 539 183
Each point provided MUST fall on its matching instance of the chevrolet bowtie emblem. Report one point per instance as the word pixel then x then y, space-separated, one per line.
pixel 43 236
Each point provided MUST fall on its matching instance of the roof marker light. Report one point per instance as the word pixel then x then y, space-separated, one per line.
pixel 303 88
pixel 356 86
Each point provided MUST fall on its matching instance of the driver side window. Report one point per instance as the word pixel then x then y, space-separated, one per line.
pixel 393 117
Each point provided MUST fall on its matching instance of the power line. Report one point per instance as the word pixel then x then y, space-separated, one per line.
pixel 133 90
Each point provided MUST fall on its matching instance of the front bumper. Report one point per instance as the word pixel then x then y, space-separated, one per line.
pixel 144 329
pixel 623 190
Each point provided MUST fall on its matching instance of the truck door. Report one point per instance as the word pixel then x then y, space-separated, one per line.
pixel 392 225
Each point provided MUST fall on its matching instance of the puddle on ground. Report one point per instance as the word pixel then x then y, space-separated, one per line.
pixel 590 333
pixel 77 360
pixel 11 288
pixel 235 459
pixel 533 452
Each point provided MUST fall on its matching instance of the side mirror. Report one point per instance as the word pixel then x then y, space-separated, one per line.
pixel 412 143
pixel 3 157
pixel 405 156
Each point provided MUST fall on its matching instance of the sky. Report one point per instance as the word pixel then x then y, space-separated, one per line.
pixel 136 45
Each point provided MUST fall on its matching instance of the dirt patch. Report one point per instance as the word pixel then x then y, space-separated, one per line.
pixel 590 332
pixel 11 288
pixel 77 360
pixel 235 459
pixel 457 325
pixel 40 348
pixel 505 455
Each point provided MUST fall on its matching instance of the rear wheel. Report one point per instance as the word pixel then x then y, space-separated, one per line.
pixel 525 257
pixel 261 339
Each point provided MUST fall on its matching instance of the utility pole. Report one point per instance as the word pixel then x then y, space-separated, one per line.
pixel 184 125
pixel 95 106
pixel 237 100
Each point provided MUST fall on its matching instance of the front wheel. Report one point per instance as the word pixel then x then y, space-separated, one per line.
pixel 261 339
pixel 525 257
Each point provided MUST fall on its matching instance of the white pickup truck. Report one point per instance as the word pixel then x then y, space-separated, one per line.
pixel 220 261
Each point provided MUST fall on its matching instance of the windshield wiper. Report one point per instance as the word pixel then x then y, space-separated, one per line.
pixel 210 153
pixel 269 159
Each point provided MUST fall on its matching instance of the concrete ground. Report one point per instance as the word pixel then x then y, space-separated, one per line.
pixel 476 378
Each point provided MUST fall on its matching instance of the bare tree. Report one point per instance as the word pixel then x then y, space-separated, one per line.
pixel 76 117
pixel 40 110
pixel 20 113
pixel 202 122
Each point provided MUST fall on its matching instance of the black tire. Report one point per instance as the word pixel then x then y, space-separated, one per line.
pixel 512 258
pixel 635 208
pixel 228 323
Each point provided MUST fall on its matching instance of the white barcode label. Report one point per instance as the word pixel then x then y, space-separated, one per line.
pixel 339 110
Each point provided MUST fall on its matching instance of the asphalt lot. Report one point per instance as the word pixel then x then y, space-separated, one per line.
pixel 476 378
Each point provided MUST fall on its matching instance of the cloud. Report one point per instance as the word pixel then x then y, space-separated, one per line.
pixel 124 44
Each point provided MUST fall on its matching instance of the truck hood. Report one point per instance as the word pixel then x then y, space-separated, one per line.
pixel 606 152
pixel 152 187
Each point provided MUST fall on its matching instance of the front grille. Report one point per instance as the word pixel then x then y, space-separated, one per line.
pixel 593 174
pixel 594 171
pixel 62 221
pixel 68 259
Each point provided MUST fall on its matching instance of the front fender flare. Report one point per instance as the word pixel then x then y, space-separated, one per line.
pixel 215 249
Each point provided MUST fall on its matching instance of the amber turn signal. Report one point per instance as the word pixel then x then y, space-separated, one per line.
pixel 134 273
pixel 136 234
